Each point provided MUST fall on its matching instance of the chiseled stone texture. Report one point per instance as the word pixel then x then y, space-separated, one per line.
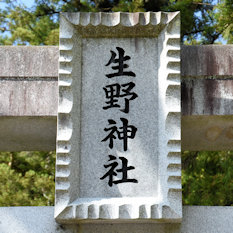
pixel 152 42
pixel 196 219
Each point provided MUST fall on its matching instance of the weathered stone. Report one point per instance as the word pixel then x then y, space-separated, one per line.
pixel 28 114
pixel 207 96
pixel 28 61
pixel 207 60
pixel 196 219
pixel 23 97
pixel 202 95
pixel 143 70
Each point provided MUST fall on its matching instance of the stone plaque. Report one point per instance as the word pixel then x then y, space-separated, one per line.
pixel 118 139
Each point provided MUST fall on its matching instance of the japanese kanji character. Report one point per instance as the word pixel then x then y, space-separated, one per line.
pixel 127 131
pixel 112 172
pixel 115 91
pixel 120 64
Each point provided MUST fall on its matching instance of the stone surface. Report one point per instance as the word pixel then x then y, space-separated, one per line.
pixel 212 219
pixel 30 220
pixel 28 112
pixel 207 96
pixel 147 80
pixel 207 60
pixel 196 219
pixel 213 133
pixel 29 61
pixel 202 96
pixel 23 97
pixel 142 114
pixel 28 133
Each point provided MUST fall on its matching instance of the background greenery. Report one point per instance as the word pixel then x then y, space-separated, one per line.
pixel 207 178
pixel 27 178
pixel 202 21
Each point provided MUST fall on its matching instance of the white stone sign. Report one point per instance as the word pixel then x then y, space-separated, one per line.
pixel 118 139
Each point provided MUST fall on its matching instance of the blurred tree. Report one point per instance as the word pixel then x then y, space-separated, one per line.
pixel 202 20
pixel 27 178
pixel 224 19
pixel 207 178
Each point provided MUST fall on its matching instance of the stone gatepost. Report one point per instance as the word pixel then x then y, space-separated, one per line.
pixel 118 135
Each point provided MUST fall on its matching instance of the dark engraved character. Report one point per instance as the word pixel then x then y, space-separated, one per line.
pixel 124 132
pixel 120 64
pixel 115 91
pixel 112 172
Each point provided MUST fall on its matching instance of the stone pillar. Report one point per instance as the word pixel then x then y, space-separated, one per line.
pixel 118 135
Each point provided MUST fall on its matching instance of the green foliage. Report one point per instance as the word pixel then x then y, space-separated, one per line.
pixel 129 6
pixel 207 178
pixel 27 178
pixel 203 21
pixel 196 19
pixel 224 17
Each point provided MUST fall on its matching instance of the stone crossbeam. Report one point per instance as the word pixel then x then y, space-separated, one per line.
pixel 29 92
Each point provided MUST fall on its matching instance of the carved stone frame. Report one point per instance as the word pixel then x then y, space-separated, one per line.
pixel 74 27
